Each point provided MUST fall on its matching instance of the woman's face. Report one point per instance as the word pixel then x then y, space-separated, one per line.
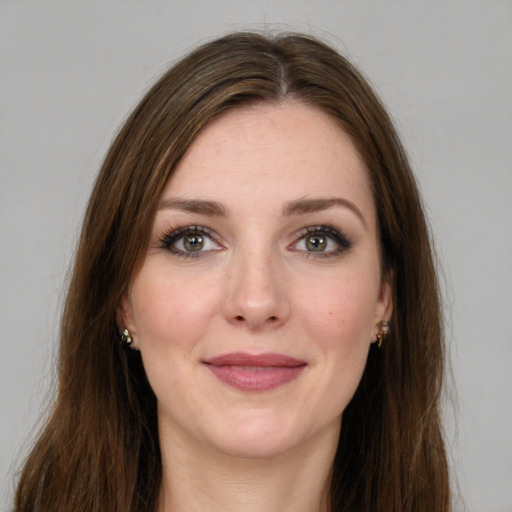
pixel 258 299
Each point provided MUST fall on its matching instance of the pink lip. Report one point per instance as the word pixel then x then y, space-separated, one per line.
pixel 255 373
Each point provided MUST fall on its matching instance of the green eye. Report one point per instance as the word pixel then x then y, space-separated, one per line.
pixel 321 242
pixel 193 242
pixel 316 243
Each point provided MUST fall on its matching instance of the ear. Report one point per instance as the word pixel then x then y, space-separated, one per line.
pixel 125 320
pixel 384 309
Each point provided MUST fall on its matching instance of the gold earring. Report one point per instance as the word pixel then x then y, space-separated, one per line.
pixel 126 340
pixel 383 331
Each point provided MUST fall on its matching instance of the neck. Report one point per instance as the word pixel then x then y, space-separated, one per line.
pixel 202 479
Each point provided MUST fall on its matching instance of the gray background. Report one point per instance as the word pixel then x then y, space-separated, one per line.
pixel 71 70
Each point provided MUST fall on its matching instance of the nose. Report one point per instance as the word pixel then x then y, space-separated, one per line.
pixel 256 297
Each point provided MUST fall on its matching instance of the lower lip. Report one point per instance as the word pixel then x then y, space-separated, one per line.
pixel 256 378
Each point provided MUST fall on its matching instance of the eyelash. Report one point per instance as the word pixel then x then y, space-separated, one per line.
pixel 342 241
pixel 170 237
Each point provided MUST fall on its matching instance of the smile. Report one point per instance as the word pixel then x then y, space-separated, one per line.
pixel 255 373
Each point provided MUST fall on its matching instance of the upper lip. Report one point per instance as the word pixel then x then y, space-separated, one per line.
pixel 243 359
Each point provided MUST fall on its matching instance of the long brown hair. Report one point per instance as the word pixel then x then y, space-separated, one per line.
pixel 99 450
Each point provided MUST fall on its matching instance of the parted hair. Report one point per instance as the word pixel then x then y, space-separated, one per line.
pixel 99 449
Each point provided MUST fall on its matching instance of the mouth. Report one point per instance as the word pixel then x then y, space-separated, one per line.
pixel 261 372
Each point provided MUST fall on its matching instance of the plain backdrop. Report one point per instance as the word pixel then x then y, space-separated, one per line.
pixel 70 71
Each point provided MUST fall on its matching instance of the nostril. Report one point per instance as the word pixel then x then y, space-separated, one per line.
pixel 241 318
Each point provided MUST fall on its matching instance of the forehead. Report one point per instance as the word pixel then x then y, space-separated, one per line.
pixel 272 152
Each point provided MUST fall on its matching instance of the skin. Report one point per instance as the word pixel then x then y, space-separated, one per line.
pixel 256 286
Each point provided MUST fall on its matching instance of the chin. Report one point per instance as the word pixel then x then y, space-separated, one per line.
pixel 262 437
pixel 253 446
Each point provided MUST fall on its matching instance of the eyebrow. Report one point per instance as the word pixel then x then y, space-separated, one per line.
pixel 297 207
pixel 209 208
pixel 302 206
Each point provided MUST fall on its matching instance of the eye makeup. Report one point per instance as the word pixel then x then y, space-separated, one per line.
pixel 321 241
pixel 190 241
pixel 195 241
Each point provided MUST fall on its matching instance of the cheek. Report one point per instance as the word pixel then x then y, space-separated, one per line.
pixel 340 313
pixel 171 317
pixel 170 312
pixel 338 320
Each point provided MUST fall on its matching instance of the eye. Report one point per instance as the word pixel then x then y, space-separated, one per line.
pixel 190 241
pixel 321 241
pixel 316 242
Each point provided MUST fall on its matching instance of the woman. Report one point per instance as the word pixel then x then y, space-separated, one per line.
pixel 256 240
